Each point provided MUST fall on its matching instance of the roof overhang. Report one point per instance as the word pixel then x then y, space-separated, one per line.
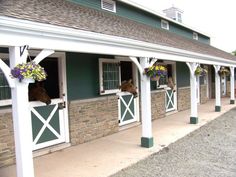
pixel 16 32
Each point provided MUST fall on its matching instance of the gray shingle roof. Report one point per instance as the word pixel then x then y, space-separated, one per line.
pixel 67 14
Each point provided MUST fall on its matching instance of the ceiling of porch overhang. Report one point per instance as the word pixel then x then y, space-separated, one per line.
pixel 67 14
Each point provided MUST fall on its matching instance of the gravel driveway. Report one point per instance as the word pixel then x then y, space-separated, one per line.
pixel 209 151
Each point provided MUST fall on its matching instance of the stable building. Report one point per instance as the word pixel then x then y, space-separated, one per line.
pixel 88 47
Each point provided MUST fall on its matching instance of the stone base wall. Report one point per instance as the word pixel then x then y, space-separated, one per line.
pixel 158 104
pixel 7 147
pixel 88 120
pixel 227 88
pixel 93 118
pixel 183 98
pixel 203 94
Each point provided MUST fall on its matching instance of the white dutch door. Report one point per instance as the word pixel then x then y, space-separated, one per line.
pixel 169 85
pixel 49 122
pixel 223 84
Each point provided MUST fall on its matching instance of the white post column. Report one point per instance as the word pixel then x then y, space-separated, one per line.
pixel 21 118
pixel 232 94
pixel 147 139
pixel 217 89
pixel 193 85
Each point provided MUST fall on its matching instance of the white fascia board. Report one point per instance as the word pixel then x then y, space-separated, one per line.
pixel 134 4
pixel 15 32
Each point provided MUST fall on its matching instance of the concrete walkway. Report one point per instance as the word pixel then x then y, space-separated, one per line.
pixel 106 156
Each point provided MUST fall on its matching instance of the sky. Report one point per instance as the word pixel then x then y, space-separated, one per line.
pixel 216 18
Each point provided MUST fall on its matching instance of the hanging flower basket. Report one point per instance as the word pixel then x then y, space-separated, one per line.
pixel 224 71
pixel 29 70
pixel 200 71
pixel 155 72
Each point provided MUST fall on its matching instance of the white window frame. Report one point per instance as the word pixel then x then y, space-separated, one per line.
pixel 111 2
pixel 102 91
pixel 166 23
pixel 157 82
pixel 7 102
pixel 195 35
pixel 165 63
pixel 179 17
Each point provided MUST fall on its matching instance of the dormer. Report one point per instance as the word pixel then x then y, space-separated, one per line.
pixel 174 13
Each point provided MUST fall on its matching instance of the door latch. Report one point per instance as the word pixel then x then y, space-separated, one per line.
pixel 62 105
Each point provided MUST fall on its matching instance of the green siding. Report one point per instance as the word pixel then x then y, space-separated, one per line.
pixel 96 4
pixel 187 32
pixel 180 30
pixel 138 15
pixel 82 75
pixel 204 39
pixel 132 13
pixel 183 75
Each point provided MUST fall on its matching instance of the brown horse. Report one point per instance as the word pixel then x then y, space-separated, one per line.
pixel 127 86
pixel 171 84
pixel 38 93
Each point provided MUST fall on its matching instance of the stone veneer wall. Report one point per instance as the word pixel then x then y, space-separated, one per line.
pixel 203 94
pixel 158 104
pixel 227 88
pixel 183 98
pixel 88 120
pixel 92 118
pixel 7 147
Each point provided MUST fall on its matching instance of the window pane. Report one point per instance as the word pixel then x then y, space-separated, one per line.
pixel 110 76
pixel 5 92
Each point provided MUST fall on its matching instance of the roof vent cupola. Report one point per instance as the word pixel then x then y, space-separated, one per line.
pixel 174 13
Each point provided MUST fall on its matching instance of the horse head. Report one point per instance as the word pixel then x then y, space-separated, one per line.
pixel 171 84
pixel 127 86
pixel 39 93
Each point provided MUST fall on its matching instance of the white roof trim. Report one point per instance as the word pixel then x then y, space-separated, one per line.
pixel 15 32
pixel 162 16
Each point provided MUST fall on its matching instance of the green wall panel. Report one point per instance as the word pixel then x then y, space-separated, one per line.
pixel 183 75
pixel 138 15
pixel 89 3
pixel 127 11
pixel 82 75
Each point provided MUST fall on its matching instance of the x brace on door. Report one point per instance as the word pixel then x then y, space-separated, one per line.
pixel 46 124
pixel 127 108
pixel 169 101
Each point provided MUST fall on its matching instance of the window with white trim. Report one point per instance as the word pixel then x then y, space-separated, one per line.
pixel 108 5
pixel 109 71
pixel 5 91
pixel 195 36
pixel 165 24
pixel 163 81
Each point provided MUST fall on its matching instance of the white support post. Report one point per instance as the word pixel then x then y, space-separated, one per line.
pixel 21 118
pixel 147 139
pixel 232 89
pixel 193 85
pixel 217 89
